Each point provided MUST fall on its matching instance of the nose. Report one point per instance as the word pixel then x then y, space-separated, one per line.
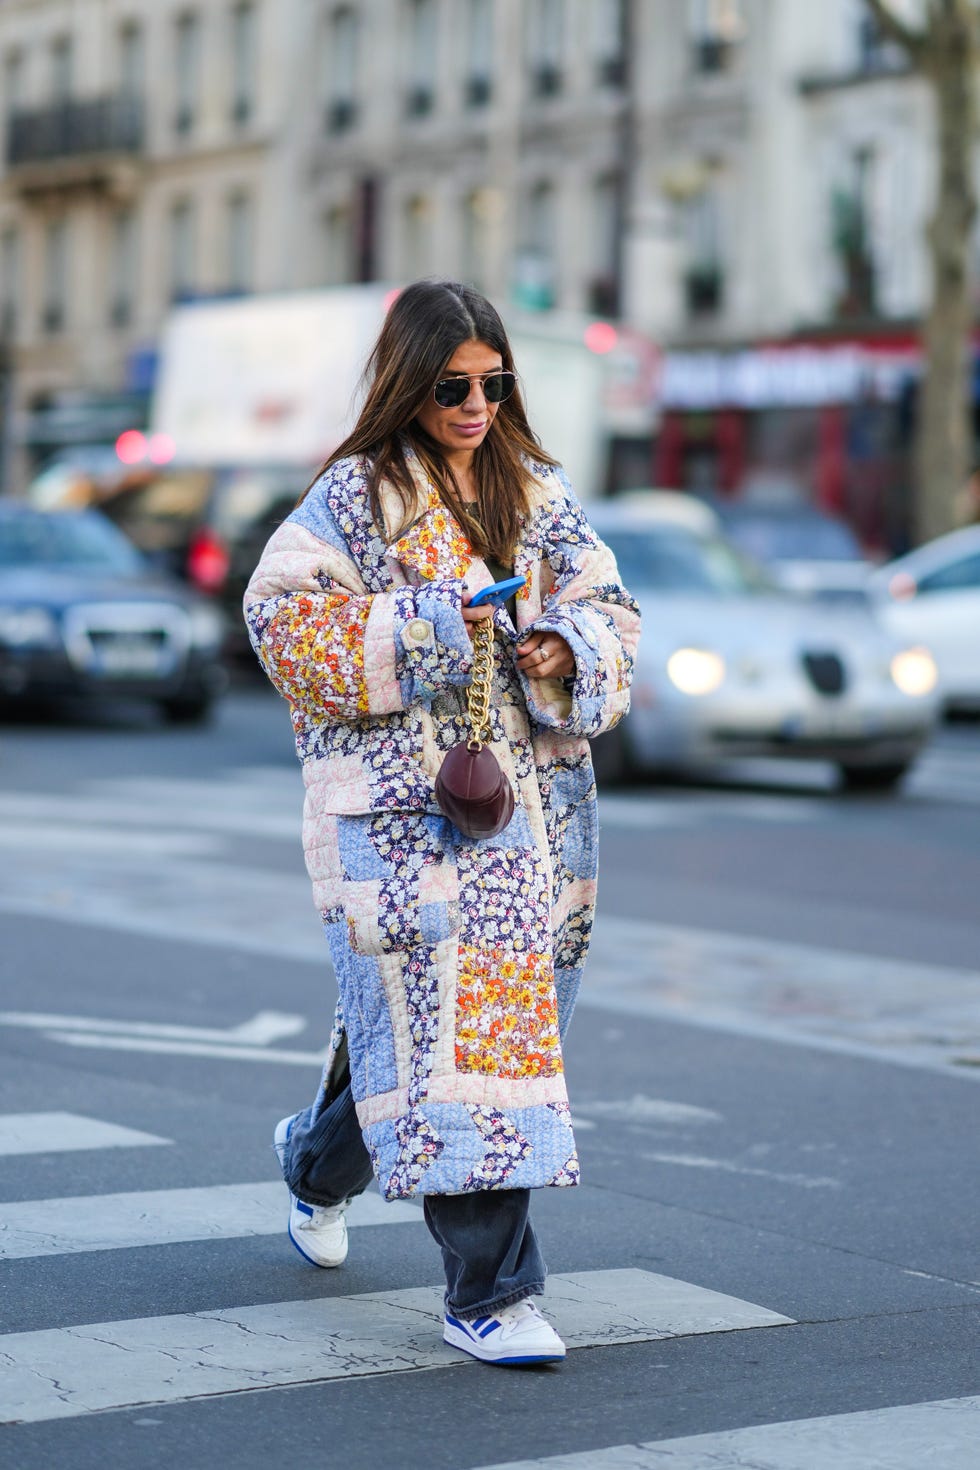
pixel 475 398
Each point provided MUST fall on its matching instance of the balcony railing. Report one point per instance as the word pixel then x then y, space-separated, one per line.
pixel 104 125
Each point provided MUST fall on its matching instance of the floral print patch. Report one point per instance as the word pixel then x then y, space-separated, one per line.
pixel 506 1014
pixel 434 547
pixel 507 1148
pixel 313 645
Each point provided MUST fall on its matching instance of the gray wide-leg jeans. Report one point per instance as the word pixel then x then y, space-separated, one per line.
pixel 489 1250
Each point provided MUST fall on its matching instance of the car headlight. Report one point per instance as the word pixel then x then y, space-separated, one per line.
pixel 207 626
pixel 28 627
pixel 914 671
pixel 695 670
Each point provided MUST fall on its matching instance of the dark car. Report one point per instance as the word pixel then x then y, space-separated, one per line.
pixel 82 612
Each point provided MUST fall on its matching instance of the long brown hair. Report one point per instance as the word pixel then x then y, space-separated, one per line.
pixel 428 321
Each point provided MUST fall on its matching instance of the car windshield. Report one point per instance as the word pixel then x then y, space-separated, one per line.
pixel 787 539
pixel 85 542
pixel 671 559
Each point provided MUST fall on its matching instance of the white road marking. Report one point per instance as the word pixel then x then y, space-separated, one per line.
pixel 729 1166
pixel 247 1042
pixel 920 1015
pixel 62 838
pixel 643 1110
pixel 191 1049
pixel 641 812
pixel 57 1133
pixel 157 806
pixel 944 1433
pixel 264 1026
pixel 222 904
pixel 64 1372
pixel 103 1222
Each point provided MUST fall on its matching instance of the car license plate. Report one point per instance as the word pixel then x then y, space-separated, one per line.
pixel 831 724
pixel 122 658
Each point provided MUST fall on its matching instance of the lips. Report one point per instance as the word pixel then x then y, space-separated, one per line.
pixel 470 429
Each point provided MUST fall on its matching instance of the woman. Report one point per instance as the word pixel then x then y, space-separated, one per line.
pixel 457 960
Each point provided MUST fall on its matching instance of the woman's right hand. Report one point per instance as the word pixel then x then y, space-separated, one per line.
pixel 474 614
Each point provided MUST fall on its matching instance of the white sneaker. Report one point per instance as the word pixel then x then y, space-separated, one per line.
pixel 514 1335
pixel 318 1232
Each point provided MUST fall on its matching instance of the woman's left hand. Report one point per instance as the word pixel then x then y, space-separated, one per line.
pixel 545 656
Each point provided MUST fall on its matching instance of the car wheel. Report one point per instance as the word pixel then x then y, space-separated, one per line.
pixel 875 778
pixel 194 710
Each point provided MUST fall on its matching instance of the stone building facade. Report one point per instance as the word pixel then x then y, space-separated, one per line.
pixel 713 171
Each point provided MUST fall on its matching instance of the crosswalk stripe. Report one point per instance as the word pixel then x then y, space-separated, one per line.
pixel 58 1133
pixel 703 809
pixel 943 1432
pixel 62 1373
pixel 54 1227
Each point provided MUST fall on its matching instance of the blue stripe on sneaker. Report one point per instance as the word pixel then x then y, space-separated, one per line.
pixel 478 1322
pixel 492 1327
pixel 455 1322
pixel 304 1209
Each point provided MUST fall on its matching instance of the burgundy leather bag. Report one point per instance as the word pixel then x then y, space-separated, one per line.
pixel 471 789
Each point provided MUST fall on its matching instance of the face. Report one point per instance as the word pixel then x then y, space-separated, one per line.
pixel 459 431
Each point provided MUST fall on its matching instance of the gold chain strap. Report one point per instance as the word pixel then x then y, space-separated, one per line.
pixel 481 684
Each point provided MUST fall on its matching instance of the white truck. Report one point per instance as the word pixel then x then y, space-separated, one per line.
pixel 273 380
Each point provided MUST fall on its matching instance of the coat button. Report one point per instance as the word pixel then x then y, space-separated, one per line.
pixel 418 630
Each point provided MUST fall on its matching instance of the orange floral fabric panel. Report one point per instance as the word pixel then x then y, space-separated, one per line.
pixel 506 1014
pixel 316 645
pixel 435 547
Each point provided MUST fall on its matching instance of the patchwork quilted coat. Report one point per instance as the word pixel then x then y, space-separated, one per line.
pixel 457 961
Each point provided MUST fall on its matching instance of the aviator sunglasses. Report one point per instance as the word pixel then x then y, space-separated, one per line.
pixel 453 392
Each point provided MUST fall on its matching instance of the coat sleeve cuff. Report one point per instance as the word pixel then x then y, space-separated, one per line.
pixel 573 706
pixel 433 650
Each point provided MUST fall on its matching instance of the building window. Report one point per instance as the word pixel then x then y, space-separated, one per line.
pixel 243 62
pixel 609 21
pixel 423 38
pixel 477 220
pixel 9 281
pixel 338 246
pixel 239 243
pixel 61 70
pixel 123 266
pixel 342 61
pixel 55 298
pixel 704 276
pixel 852 236
pixel 417 231
pixel 717 31
pixel 876 52
pixel 188 62
pixel 535 283
pixel 13 82
pixel 545 46
pixel 182 250
pixel 478 86
pixel 131 61
pixel 607 209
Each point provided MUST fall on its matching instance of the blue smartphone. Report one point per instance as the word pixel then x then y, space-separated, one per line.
pixel 497 592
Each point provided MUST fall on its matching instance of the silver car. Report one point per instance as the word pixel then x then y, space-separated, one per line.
pixel 730 665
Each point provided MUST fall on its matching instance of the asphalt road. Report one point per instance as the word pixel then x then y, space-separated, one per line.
pixel 773 1070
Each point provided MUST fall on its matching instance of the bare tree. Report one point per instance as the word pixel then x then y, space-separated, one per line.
pixel 945 49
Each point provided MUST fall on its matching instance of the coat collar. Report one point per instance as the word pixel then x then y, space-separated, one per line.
pixel 434 545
